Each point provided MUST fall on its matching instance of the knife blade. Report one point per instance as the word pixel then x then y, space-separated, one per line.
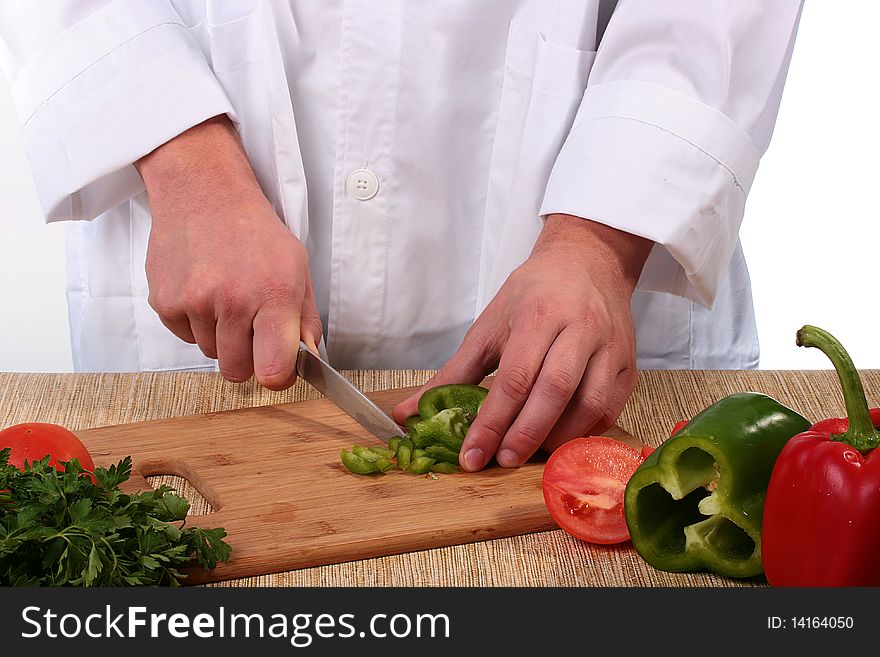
pixel 335 387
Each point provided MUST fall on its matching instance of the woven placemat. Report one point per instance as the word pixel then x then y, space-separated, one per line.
pixel 81 401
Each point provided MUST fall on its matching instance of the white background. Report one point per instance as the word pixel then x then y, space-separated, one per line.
pixel 811 232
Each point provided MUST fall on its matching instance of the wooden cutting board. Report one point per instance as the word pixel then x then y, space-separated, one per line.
pixel 273 476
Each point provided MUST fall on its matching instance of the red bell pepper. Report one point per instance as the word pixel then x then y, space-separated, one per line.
pixel 821 524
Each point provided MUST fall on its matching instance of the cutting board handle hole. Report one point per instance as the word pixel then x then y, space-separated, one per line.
pixel 202 500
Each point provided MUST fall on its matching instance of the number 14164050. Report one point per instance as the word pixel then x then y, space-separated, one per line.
pixel 810 623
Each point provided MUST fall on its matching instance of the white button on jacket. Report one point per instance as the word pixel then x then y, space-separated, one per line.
pixel 363 184
pixel 475 118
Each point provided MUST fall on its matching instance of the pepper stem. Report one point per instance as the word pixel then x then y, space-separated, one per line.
pixel 861 433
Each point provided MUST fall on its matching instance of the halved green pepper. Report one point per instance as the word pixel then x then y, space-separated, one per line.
pixel 445 415
pixel 469 398
pixel 697 501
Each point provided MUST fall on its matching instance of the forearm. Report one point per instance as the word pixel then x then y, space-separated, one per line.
pixel 205 165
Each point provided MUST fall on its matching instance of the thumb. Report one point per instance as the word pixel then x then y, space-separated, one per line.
pixel 276 345
pixel 470 364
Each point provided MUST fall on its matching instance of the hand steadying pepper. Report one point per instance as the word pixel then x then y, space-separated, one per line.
pixel 560 333
pixel 822 515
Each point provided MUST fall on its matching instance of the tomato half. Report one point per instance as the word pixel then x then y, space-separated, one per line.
pixel 583 485
pixel 34 440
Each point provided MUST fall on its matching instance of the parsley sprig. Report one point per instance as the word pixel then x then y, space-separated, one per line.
pixel 63 529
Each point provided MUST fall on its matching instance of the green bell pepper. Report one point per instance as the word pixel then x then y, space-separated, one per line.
pixel 421 464
pixel 364 466
pixel 411 422
pixel 404 453
pixel 447 428
pixel 445 415
pixel 442 454
pixel 468 398
pixel 372 453
pixel 443 468
pixel 435 435
pixel 697 501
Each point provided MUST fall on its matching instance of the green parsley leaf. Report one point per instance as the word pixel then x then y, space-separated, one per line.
pixel 63 529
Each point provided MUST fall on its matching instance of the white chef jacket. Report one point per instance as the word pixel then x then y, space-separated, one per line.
pixel 463 121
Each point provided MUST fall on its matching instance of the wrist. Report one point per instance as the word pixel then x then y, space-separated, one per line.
pixel 619 253
pixel 202 167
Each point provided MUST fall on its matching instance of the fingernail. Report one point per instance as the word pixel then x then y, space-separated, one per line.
pixel 473 459
pixel 507 458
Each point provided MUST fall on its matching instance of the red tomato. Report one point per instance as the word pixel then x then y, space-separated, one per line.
pixel 33 440
pixel 584 481
pixel 681 424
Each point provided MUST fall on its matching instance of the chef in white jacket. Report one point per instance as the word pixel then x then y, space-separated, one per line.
pixel 521 184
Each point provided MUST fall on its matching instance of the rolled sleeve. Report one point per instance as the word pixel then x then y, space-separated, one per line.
pixel 659 164
pixel 111 88
pixel 677 112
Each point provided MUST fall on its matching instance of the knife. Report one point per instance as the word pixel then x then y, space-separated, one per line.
pixel 335 387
